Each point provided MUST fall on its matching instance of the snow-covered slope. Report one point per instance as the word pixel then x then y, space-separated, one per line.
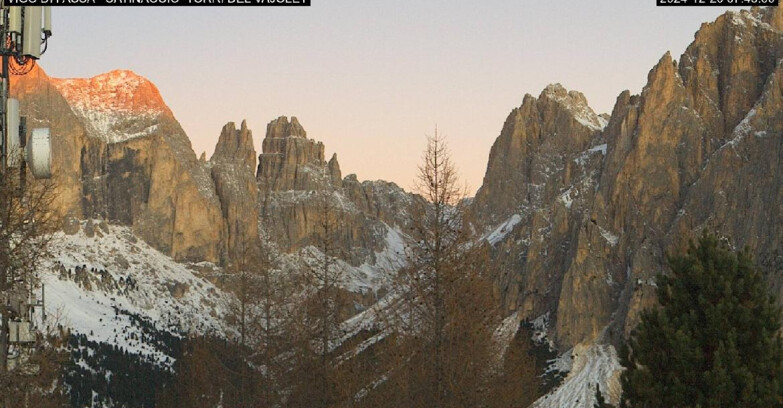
pixel 99 283
pixel 588 366
pixel 102 279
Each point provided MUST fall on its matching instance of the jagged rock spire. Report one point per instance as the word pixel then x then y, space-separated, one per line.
pixel 290 161
pixel 235 145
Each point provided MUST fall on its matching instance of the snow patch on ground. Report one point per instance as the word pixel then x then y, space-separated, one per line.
pixel 611 238
pixel 117 126
pixel 588 366
pixel 602 122
pixel 585 156
pixel 387 262
pixel 743 17
pixel 590 122
pixel 742 130
pixel 505 333
pixel 562 363
pixel 371 276
pixel 576 104
pixel 374 318
pixel 566 198
pixel 600 148
pixel 503 229
pixel 540 328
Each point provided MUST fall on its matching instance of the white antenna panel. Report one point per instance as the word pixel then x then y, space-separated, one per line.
pixel 31 38
pixel 39 153
pixel 15 19
pixel 12 135
pixel 47 20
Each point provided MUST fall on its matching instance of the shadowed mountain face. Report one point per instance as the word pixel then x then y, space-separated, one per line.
pixel 577 209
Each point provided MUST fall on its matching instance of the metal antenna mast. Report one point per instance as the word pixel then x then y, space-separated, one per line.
pixel 24 34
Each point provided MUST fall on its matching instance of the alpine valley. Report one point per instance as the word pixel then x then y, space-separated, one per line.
pixel 577 210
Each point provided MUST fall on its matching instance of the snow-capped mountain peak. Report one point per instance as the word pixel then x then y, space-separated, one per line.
pixel 113 102
pixel 122 90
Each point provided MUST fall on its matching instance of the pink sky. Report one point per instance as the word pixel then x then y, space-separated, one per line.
pixel 371 80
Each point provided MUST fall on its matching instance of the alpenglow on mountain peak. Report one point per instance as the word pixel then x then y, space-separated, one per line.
pixel 113 102
pixel 117 90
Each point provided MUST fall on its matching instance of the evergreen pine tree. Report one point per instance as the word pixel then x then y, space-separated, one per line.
pixel 714 342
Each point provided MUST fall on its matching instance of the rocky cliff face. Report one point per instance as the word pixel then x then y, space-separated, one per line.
pixel 119 154
pixel 291 161
pixel 584 216
pixel 232 168
pixel 577 209
pixel 541 177
pixel 532 159
pixel 295 182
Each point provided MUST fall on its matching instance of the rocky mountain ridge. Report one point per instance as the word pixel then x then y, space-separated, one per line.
pixel 577 209
pixel 698 149
pixel 121 156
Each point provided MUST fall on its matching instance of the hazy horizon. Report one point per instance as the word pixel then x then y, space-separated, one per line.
pixel 371 80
